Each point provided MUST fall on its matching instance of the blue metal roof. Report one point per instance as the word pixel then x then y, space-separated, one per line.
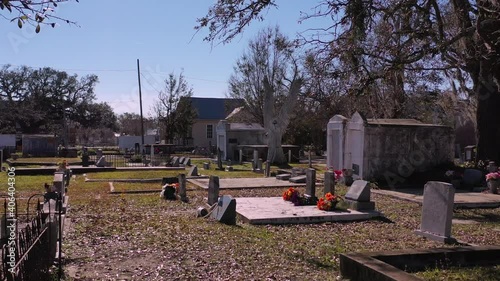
pixel 214 108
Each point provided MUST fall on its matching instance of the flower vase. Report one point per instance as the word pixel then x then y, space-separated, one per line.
pixel 493 186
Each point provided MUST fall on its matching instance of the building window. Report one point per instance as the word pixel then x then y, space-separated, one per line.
pixel 210 129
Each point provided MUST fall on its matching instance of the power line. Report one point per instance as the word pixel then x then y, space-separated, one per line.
pixel 72 69
pixel 150 84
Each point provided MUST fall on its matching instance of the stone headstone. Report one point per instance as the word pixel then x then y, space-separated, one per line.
pixel 437 212
pixel 359 191
pixel 241 156
pixel 206 165
pixel 181 160
pixel 213 190
pixel 182 188
pixel 102 162
pixel 175 161
pixel 298 179
pixel 225 211
pixel 187 161
pixel 472 177
pixel 193 172
pixel 229 168
pixel 358 196
pixel 329 182
pixel 283 177
pixel 311 182
pixel 59 183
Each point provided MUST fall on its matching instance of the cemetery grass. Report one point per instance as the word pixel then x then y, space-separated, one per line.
pixel 141 237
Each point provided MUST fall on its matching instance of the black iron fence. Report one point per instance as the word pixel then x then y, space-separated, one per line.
pixel 29 247
pixel 133 160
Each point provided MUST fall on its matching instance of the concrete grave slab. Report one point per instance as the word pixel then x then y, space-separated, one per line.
pixel 461 200
pixel 241 183
pixel 298 179
pixel 274 210
pixel 283 177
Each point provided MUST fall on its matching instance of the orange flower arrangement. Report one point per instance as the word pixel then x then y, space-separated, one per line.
pixel 289 194
pixel 328 203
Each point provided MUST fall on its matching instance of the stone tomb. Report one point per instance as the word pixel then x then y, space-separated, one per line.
pixel 275 210
pixel 437 212
pixel 358 196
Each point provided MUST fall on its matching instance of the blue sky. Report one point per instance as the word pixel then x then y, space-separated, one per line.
pixel 113 34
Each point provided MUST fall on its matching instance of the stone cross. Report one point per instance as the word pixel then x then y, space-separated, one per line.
pixel 329 182
pixel 311 182
pixel 437 212
pixel 182 188
pixel 213 190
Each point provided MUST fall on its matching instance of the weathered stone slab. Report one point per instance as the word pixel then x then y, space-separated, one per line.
pixel 283 177
pixel 59 183
pixel 298 179
pixel 437 211
pixel 181 160
pixel 243 183
pixel 187 161
pixel 225 211
pixel 274 210
pixel 360 206
pixel 175 161
pixel 311 182
pixel 182 188
pixel 329 182
pixel 193 172
pixel 359 191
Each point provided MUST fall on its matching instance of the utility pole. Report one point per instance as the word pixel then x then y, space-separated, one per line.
pixel 140 104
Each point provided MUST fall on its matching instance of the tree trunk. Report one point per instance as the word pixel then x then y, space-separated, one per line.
pixel 275 151
pixel 488 115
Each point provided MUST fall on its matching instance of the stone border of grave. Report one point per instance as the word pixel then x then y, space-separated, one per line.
pixel 392 265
